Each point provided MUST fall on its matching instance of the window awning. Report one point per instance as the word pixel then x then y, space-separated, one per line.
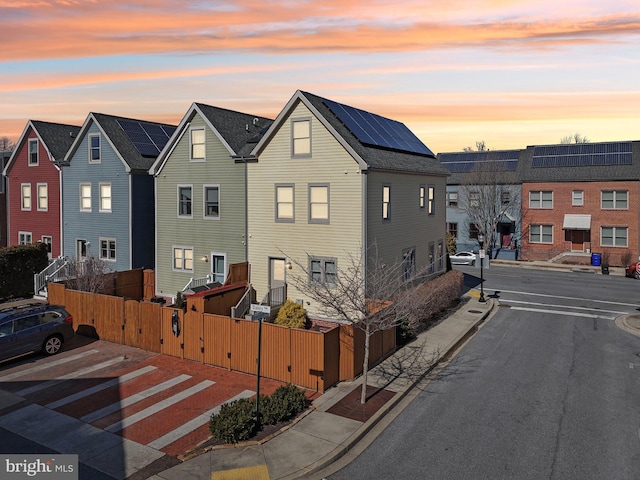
pixel 576 222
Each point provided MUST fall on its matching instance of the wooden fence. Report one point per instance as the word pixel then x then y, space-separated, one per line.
pixel 310 359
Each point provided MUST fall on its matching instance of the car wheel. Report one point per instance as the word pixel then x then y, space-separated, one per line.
pixel 473 262
pixel 52 345
pixel 636 275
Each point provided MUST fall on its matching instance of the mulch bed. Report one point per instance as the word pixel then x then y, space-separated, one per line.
pixel 350 406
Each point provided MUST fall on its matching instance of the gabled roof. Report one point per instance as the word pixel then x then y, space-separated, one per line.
pixel 121 141
pixel 582 162
pixel 238 132
pixel 368 155
pixel 56 138
pixel 463 165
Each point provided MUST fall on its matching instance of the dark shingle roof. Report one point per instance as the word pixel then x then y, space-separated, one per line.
pixel 57 137
pixel 376 157
pixel 581 162
pixel 463 164
pixel 240 130
pixel 124 145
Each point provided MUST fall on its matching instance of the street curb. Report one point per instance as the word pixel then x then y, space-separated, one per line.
pixel 366 427
pixel 622 322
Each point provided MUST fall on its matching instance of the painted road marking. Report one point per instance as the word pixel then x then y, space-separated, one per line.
pixel 153 409
pixel 634 305
pixel 259 472
pixel 565 306
pixel 45 366
pixel 558 312
pixel 76 374
pixel 203 419
pixel 125 402
pixel 103 386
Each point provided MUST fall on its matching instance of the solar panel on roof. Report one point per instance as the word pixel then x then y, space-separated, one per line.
pixel 375 130
pixel 148 138
pixel 582 155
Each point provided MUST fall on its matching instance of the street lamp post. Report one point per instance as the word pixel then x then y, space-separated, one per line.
pixel 481 244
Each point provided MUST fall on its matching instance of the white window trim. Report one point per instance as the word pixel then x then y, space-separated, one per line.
pixel 541 202
pixel 327 187
pixel 615 194
pixel 204 143
pixel 173 258
pixel 276 203
pixel 33 140
pixel 204 202
pixel 20 234
pixel 422 196
pixel 386 212
pixel 89 137
pixel 50 243
pixel 90 197
pixel 431 200
pixel 46 197
pixel 613 244
pixel 179 186
pixel 293 138
pixel 22 197
pixel 100 208
pixel 541 236
pixel 107 259
pixel 575 202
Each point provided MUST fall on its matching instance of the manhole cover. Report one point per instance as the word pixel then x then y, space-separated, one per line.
pixel 475 311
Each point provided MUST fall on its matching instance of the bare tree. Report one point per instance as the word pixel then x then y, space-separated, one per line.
pixel 575 138
pixel 6 144
pixel 481 146
pixel 365 293
pixel 486 196
pixel 91 275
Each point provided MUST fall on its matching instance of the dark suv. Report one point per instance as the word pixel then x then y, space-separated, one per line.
pixel 34 327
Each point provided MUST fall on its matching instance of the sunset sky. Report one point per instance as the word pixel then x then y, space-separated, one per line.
pixel 510 73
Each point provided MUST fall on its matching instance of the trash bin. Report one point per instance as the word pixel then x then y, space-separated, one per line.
pixel 595 259
pixel 605 269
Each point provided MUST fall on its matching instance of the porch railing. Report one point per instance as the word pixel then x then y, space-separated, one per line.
pixel 275 297
pixel 243 306
pixel 54 271
pixel 198 282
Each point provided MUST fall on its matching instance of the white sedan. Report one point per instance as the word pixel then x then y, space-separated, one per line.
pixel 463 258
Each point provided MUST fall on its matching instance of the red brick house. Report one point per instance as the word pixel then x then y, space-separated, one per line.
pixel 581 199
pixel 33 184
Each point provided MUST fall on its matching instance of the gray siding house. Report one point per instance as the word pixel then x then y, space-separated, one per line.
pixel 108 208
pixel 200 181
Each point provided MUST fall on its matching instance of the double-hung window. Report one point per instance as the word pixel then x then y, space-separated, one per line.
pixel 108 249
pixel 614 200
pixel 452 199
pixel 33 152
pixel 541 199
pixel 24 238
pixel 25 189
pixel 285 196
pixel 577 198
pixel 421 196
pixel 386 202
pixel 185 201
pixel 541 233
pixel 452 228
pixel 197 144
pixel 94 148
pixel 408 263
pixel 614 236
pixel 183 259
pixel 211 201
pixel 105 197
pixel 301 138
pixel 85 197
pixel 474 199
pixel 43 197
pixel 323 271
pixel 432 200
pixel 318 203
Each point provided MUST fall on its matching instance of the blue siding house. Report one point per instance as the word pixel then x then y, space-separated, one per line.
pixel 108 208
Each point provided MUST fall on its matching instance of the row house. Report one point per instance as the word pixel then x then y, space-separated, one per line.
pixel 4 159
pixel 34 182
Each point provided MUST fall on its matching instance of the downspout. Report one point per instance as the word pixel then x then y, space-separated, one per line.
pixel 365 213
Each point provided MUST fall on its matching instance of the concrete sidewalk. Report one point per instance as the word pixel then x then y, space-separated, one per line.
pixel 319 438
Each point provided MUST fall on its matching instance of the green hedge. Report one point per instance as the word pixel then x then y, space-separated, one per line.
pixel 18 264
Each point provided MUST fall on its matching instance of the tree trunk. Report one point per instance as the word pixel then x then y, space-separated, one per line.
pixel 365 364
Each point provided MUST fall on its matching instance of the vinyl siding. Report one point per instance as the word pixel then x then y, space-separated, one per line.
pixel 329 163
pixel 39 223
pixel 223 235
pixel 94 225
pixel 408 225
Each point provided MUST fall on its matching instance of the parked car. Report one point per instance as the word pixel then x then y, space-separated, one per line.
pixel 34 327
pixel 633 270
pixel 463 258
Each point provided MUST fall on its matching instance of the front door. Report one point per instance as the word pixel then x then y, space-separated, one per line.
pixel 277 279
pixel 81 250
pixel 577 239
